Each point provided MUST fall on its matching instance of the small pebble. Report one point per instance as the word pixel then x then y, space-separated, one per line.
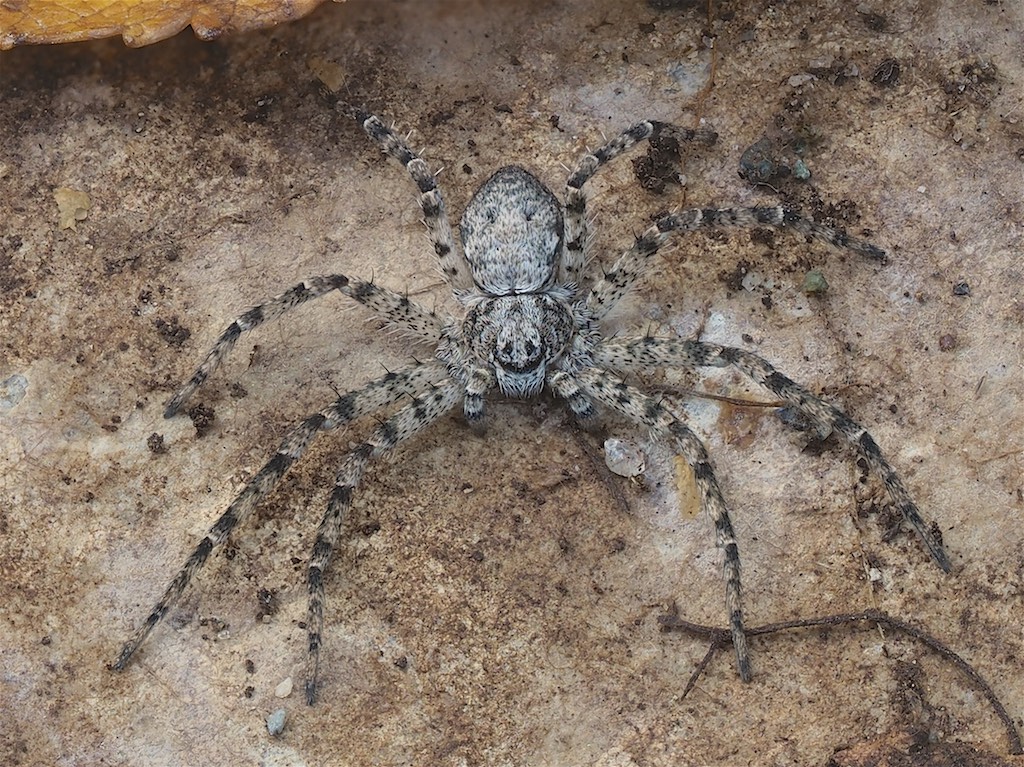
pixel 284 689
pixel 275 722
pixel 624 458
pixel 814 283
pixel 887 74
pixel 12 391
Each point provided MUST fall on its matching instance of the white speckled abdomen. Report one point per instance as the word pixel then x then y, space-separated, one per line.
pixel 512 234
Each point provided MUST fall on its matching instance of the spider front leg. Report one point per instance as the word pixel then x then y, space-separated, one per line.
pixel 632 264
pixel 575 228
pixel 394 307
pixel 453 266
pixel 644 354
pixel 380 393
pixel 414 417
pixel 601 386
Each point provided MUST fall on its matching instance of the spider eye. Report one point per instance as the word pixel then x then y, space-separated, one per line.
pixel 519 355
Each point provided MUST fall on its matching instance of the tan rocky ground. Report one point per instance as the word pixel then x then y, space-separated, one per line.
pixel 493 603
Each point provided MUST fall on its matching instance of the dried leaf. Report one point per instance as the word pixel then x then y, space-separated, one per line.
pixel 72 205
pixel 139 22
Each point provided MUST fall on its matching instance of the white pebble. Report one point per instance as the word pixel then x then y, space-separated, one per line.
pixel 284 689
pixel 624 458
pixel 275 722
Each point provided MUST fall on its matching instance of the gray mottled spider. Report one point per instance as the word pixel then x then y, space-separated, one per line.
pixel 529 323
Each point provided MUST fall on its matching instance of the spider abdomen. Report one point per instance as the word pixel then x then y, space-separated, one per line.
pixel 512 234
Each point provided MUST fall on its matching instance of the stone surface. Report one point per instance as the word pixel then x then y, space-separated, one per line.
pixel 492 602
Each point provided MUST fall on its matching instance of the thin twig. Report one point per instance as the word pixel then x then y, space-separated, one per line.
pixel 721 638
pixel 611 482
pixel 684 393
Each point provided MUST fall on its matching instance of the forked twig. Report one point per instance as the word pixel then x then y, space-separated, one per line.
pixel 721 638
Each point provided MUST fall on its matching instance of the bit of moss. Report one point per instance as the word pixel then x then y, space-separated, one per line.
pixel 815 283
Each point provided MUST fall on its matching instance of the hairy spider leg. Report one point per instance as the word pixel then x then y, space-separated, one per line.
pixel 632 264
pixel 424 410
pixel 577 233
pixel 639 354
pixel 393 307
pixel 614 393
pixel 453 266
pixel 382 392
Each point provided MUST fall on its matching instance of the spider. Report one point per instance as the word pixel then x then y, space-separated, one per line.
pixel 530 322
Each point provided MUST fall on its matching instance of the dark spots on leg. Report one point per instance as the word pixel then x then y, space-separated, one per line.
pixel 375 129
pixel 703 472
pixel 252 317
pixel 221 528
pixel 234 330
pixel 419 411
pixel 653 411
pixel 866 443
pixel 364 290
pixel 729 354
pixel 584 410
pixel 620 393
pixel 316 578
pixel 156 616
pixel 311 692
pixel 277 465
pixel 426 184
pixel 387 435
pixel 778 383
pixel 344 407
pixel 474 411
pixel 646 245
pixel 404 155
pixel 204 548
pixel 340 496
pixel 579 204
pixel 313 423
pixel 314 646
pixel 667 224
pixel 640 131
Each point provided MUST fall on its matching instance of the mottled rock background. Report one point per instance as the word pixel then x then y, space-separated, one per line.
pixel 493 602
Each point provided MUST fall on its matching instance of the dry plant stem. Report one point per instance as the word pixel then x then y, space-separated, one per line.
pixel 722 637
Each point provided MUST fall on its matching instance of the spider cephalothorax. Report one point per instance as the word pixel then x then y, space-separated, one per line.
pixel 519 337
pixel 530 323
